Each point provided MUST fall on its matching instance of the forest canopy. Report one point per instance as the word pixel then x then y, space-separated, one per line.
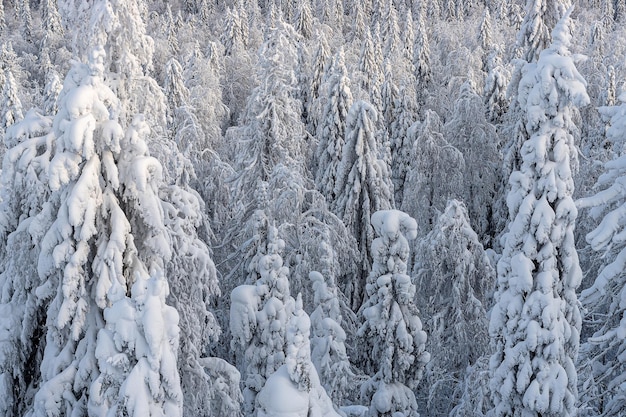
pixel 312 208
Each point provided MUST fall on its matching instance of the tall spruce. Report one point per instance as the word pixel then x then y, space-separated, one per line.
pixel 535 324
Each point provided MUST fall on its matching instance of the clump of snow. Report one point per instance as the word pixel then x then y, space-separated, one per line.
pixel 389 224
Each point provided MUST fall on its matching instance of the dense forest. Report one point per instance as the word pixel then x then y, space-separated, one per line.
pixel 279 208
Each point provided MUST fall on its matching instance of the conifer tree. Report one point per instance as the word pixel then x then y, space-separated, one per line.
pixel 401 142
pixel 371 75
pixel 332 128
pixel 232 37
pixel 435 173
pixel 273 130
pixel 51 92
pixel 51 18
pixel 362 187
pixel 320 73
pixel 328 342
pixel 297 379
pixel 469 131
pixel 26 19
pixel 620 11
pixel 602 355
pixel 421 56
pixel 455 279
pixel 202 77
pixel 101 265
pixel 121 30
pixel 535 323
pixel 494 92
pixel 23 192
pixel 534 34
pixel 359 27
pixel 485 37
pixel 392 331
pixel 259 314
pixel 176 92
pixel 11 108
pixel 389 96
pixel 304 22
pixel 390 35
pixel 408 35
pixel 3 22
pixel 484 31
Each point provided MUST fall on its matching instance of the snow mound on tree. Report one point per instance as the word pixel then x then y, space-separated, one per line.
pixel 280 397
pixel 389 223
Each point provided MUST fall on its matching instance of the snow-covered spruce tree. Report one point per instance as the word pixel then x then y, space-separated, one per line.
pixel 534 34
pixel 359 25
pixel 389 97
pixel 421 54
pixel 304 19
pixel 331 128
pixel 361 189
pixel 532 37
pixel 110 340
pixel 319 73
pixel 435 173
pixel 118 26
pixel 51 92
pixel 24 15
pixel 390 31
pixel 193 279
pixel 370 73
pixel 270 141
pixel 259 314
pixel 455 279
pixel 536 321
pixel 302 79
pixel 469 131
pixel 23 191
pixel 408 35
pixel 294 389
pixel 176 93
pixel 485 37
pixel 11 107
pixel 393 339
pixel 328 342
pixel 233 35
pixel 202 78
pixel 272 130
pixel 494 91
pixel 3 24
pixel 603 353
pixel 172 31
pixel 51 18
pixel 618 10
pixel 405 114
